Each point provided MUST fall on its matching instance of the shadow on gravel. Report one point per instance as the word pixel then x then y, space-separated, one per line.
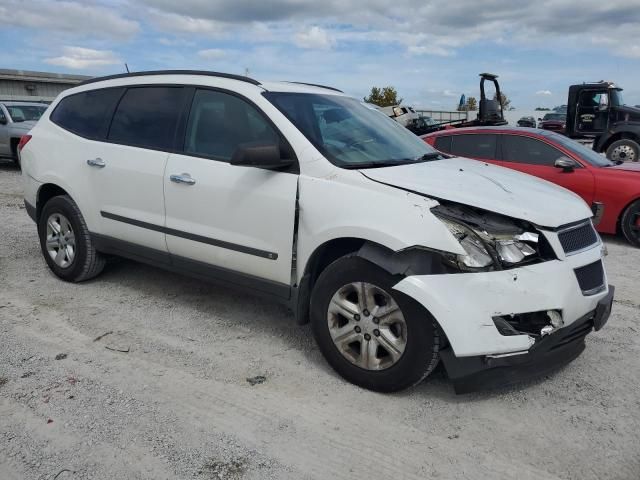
pixel 8 165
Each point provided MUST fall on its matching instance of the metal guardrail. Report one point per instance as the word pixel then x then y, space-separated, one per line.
pixel 445 117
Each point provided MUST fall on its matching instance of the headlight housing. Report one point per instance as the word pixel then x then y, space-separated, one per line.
pixel 490 241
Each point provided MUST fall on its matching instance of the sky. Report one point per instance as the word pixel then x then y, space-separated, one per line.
pixel 431 51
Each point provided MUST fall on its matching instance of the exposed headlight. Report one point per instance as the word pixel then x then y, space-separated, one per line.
pixel 484 250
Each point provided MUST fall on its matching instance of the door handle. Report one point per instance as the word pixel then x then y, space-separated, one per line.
pixel 96 162
pixel 183 178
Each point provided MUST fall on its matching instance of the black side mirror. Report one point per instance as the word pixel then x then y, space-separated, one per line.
pixel 566 164
pixel 260 155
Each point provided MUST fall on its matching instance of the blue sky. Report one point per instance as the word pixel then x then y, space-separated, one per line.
pixel 430 50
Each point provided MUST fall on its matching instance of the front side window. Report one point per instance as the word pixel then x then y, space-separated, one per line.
pixel 88 113
pixel 220 122
pixel 25 113
pixel 520 149
pixel 587 154
pixel 349 133
pixel 147 117
pixel 474 145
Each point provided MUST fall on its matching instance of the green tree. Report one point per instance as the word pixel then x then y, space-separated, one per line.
pixel 470 106
pixel 504 100
pixel 383 97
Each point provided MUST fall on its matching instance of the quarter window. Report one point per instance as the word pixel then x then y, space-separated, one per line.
pixel 474 145
pixel 88 113
pixel 220 122
pixel 520 149
pixel 147 117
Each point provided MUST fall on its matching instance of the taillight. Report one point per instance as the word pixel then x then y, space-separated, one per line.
pixel 24 139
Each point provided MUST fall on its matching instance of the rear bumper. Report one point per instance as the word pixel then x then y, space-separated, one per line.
pixel 547 354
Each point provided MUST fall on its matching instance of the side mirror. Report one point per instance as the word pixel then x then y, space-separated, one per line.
pixel 566 164
pixel 539 119
pixel 259 155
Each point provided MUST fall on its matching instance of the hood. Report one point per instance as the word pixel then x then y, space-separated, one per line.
pixel 631 114
pixel 26 125
pixel 486 186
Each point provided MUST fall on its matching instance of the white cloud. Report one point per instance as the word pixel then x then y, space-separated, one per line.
pixel 543 92
pixel 79 58
pixel 211 54
pixel 314 38
pixel 173 22
pixel 68 17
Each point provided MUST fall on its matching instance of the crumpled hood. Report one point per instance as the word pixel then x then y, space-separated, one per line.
pixel 486 186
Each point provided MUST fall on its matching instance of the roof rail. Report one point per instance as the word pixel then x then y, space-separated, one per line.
pixel 317 85
pixel 172 72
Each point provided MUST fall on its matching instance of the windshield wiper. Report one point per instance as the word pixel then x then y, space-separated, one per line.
pixel 431 156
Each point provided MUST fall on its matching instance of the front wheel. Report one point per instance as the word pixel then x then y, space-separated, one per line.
pixel 373 336
pixel 624 150
pixel 630 223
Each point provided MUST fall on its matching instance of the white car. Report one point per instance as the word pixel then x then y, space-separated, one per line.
pixel 398 256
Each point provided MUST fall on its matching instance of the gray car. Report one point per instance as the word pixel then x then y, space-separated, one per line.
pixel 16 119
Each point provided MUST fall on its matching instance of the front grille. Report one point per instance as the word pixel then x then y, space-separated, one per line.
pixel 576 238
pixel 591 278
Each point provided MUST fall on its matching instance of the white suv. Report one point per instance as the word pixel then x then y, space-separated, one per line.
pixel 397 254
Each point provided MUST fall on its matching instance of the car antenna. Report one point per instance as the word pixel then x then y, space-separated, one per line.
pixel 127 67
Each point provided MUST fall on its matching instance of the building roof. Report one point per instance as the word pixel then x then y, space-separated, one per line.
pixel 30 76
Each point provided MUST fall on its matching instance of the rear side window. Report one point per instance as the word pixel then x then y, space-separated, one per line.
pixel 87 114
pixel 443 144
pixel 519 149
pixel 219 122
pixel 147 117
pixel 475 146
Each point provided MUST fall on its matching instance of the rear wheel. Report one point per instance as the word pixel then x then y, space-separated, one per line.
pixel 373 336
pixel 624 150
pixel 66 243
pixel 630 223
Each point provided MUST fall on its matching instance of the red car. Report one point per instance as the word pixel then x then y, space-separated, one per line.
pixel 612 190
pixel 556 122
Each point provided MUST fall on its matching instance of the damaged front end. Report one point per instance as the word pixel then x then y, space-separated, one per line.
pixel 491 241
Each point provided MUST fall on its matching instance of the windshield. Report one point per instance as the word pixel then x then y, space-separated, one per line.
pixel 22 113
pixel 555 116
pixel 582 152
pixel 616 97
pixel 349 133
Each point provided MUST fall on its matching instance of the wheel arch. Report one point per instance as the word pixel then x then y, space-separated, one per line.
pixel 45 193
pixel 621 135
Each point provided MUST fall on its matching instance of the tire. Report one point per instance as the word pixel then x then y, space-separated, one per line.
pixel 630 223
pixel 625 150
pixel 79 263
pixel 378 371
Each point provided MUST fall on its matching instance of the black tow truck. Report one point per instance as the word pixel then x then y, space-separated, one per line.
pixel 596 111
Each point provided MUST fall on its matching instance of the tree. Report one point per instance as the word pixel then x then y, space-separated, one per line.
pixel 504 100
pixel 542 109
pixel 471 105
pixel 383 97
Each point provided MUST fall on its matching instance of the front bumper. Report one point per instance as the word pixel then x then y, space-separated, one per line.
pixel 549 353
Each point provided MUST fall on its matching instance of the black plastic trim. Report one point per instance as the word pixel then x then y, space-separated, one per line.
pixel 192 268
pixel 317 85
pixel 31 210
pixel 171 72
pixel 191 236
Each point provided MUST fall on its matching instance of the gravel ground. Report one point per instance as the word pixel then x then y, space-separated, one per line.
pixel 177 402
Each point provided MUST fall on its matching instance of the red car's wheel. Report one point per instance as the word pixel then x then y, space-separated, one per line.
pixel 630 223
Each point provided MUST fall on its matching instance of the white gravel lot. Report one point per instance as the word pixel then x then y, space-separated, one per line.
pixel 178 404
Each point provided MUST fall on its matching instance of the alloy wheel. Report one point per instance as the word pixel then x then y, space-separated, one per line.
pixel 61 241
pixel 367 326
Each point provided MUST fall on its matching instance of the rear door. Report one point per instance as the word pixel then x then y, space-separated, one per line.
pixel 480 146
pixel 536 157
pixel 126 171
pixel 239 220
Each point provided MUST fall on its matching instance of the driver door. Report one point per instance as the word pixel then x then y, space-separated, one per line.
pixel 592 112
pixel 535 157
pixel 223 220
